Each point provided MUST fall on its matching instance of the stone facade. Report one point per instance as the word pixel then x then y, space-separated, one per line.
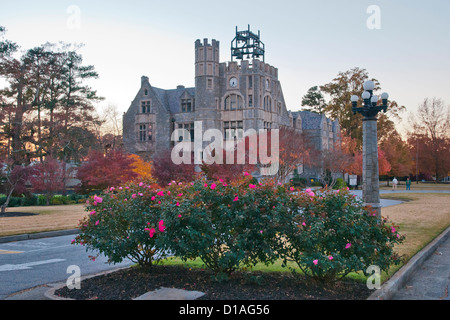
pixel 228 95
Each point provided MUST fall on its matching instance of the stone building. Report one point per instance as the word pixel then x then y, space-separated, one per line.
pixel 227 95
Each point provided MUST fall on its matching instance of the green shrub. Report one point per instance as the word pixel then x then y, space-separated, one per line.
pixel 330 234
pixel 123 223
pixel 340 184
pixel 226 226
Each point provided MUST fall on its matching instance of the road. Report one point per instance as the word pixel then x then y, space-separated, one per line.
pixel 30 263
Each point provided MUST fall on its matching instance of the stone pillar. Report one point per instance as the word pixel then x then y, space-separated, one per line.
pixel 371 187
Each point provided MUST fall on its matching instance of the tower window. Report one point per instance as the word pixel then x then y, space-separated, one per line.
pixel 233 129
pixel 142 132
pixel 233 102
pixel 250 100
pixel 267 103
pixel 209 83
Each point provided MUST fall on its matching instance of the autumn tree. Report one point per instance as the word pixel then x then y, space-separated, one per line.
pixel 14 179
pixel 101 171
pixel 164 170
pixel 398 155
pixel 142 168
pixel 429 137
pixel 339 107
pixel 48 177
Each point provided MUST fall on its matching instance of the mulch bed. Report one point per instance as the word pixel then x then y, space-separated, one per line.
pixel 127 284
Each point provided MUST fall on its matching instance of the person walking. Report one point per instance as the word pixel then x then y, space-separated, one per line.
pixel 394 183
pixel 408 184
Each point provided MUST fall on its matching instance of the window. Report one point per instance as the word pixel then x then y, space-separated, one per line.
pixel 233 129
pixel 187 105
pixel 233 102
pixel 267 125
pixel 146 106
pixel 145 92
pixel 268 103
pixel 210 84
pixel 250 100
pixel 150 132
pixel 145 132
pixel 188 133
pixel 250 82
pixel 142 132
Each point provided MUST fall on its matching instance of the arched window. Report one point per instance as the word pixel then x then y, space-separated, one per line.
pixel 233 102
pixel 267 103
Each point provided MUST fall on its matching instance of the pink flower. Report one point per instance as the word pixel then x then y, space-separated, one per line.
pixel 160 193
pixel 316 262
pixel 95 203
pixel 304 224
pixel 93 212
pixel 133 196
pixel 308 190
pixel 98 199
pixel 205 185
pixel 178 204
pixel 260 231
pixel 73 241
pixel 152 232
pixel 252 186
pixel 161 226
pixel 311 194
pixel 213 186
pixel 221 180
pixel 348 245
pixel 393 229
pixel 246 174
pixel 141 184
pixel 225 185
pixel 159 202
pixel 330 258
pixel 97 222
pixel 180 194
pixel 153 198
pixel 179 216
pixel 236 199
pixel 111 189
pixel 120 188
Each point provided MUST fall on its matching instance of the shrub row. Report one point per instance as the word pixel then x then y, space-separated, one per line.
pixel 41 200
pixel 327 233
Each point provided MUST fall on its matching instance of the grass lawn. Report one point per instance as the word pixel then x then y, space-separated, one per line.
pixel 44 218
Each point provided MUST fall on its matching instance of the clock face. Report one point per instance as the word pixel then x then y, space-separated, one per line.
pixel 233 82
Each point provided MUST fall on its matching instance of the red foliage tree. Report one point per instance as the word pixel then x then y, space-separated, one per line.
pixel 48 177
pixel 165 170
pixel 14 178
pixel 101 171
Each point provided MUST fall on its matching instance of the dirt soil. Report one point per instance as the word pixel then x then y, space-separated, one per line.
pixel 130 283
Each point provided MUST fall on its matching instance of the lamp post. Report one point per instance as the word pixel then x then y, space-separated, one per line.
pixel 369 110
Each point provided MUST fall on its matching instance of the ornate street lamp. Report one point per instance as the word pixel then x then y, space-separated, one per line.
pixel 369 110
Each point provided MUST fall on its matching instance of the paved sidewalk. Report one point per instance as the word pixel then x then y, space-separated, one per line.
pixel 432 280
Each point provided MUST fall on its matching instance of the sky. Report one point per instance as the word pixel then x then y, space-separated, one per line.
pixel 404 44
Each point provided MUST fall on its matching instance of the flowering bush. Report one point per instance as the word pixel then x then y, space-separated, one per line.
pixel 330 234
pixel 327 233
pixel 225 225
pixel 124 223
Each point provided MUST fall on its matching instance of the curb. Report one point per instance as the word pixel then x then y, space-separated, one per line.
pixel 30 236
pixel 399 279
